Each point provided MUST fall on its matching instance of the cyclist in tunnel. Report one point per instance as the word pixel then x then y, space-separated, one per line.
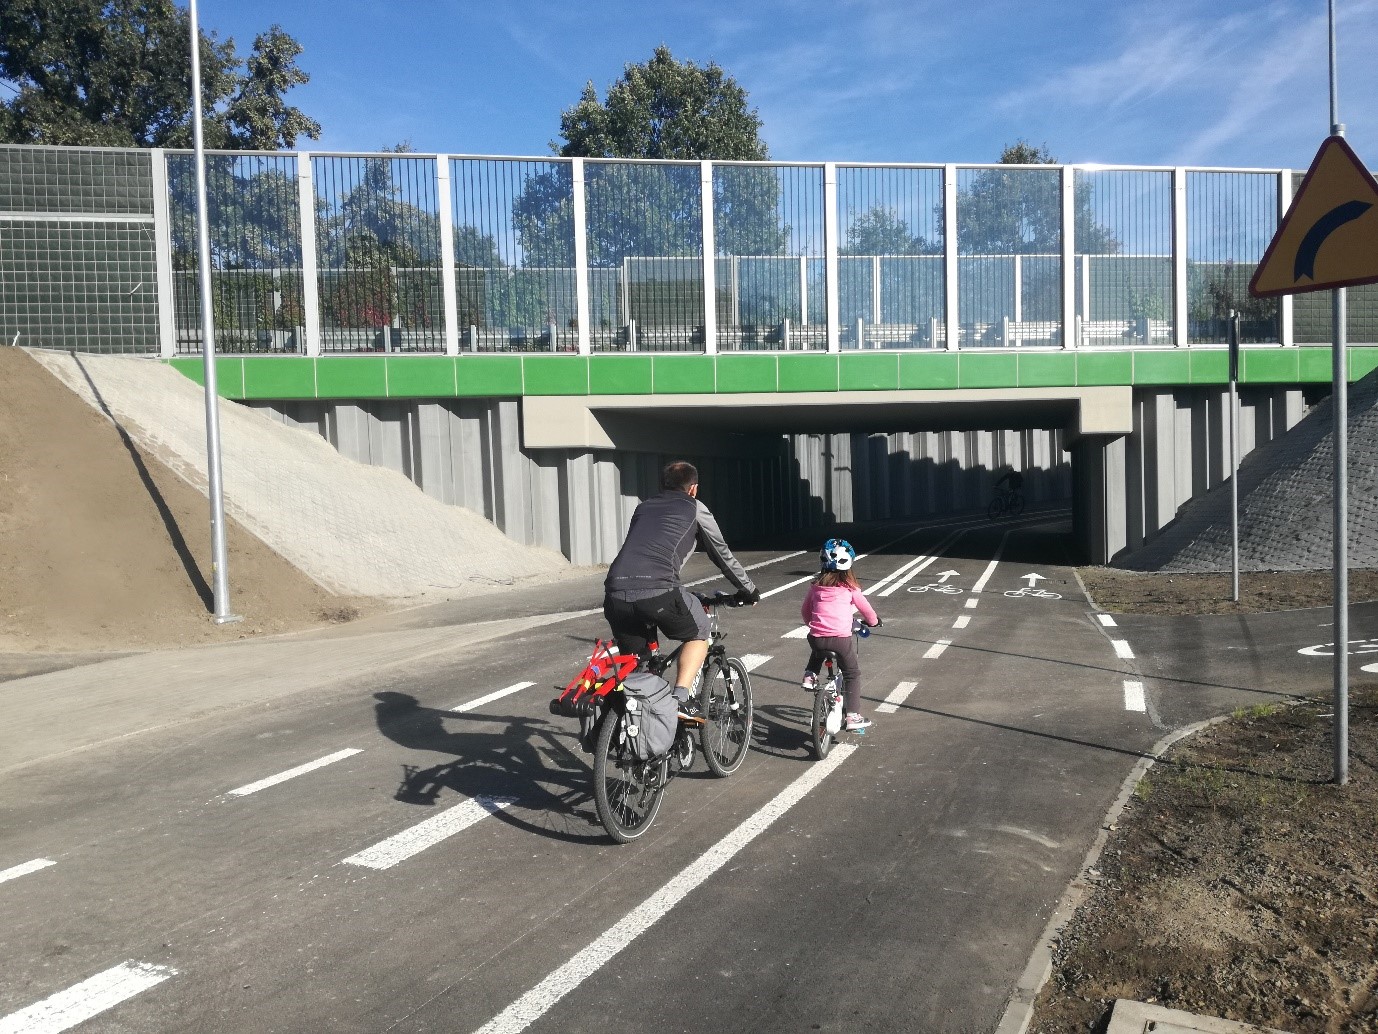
pixel 643 591
pixel 1012 479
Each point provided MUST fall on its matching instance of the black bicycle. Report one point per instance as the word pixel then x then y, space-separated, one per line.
pixel 628 790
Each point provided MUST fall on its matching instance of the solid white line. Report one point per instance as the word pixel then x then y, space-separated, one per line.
pixel 787 585
pixel 491 697
pixel 91 997
pixel 936 650
pixel 980 585
pixel 802 632
pixel 292 773
pixel 23 870
pixel 752 661
pixel 387 853
pixel 882 582
pixel 1106 620
pixel 1122 649
pixel 900 582
pixel 970 604
pixel 536 1002
pixel 962 621
pixel 897 696
pixel 1134 696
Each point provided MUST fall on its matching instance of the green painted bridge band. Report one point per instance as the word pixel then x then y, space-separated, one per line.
pixel 494 376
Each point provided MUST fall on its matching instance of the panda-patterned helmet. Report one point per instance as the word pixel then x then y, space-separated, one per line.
pixel 837 555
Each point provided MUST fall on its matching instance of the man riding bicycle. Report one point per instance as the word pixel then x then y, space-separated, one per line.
pixel 643 591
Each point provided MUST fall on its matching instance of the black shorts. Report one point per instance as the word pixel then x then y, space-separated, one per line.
pixel 634 623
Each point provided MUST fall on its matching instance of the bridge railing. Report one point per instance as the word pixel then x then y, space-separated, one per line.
pixel 446 254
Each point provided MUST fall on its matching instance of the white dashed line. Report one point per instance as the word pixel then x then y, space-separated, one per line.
pixel 79 1003
pixel 387 853
pixel 802 632
pixel 1122 649
pixel 1106 620
pixel 936 650
pixel 962 621
pixel 897 696
pixel 971 604
pixel 752 661
pixel 990 568
pixel 23 870
pixel 1134 696
pixel 491 697
pixel 531 1006
pixel 292 773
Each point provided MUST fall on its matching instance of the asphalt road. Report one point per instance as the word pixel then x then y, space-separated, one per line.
pixel 444 870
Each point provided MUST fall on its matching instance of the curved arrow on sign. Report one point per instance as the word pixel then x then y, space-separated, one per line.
pixel 1315 237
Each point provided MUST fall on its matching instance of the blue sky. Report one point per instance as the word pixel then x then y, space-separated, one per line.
pixel 1153 82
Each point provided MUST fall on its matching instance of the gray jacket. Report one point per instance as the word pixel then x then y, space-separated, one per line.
pixel 664 532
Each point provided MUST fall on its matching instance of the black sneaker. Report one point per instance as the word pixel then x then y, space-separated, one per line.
pixel 689 711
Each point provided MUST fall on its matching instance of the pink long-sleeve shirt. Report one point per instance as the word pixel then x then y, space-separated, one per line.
pixel 827 610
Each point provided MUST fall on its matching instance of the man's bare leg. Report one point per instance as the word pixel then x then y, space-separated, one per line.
pixel 691 658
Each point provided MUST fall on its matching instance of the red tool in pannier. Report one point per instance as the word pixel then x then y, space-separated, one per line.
pixel 603 673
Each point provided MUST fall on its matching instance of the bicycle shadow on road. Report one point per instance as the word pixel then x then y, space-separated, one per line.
pixel 782 730
pixel 524 759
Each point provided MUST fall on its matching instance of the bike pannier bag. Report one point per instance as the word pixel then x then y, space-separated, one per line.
pixel 652 714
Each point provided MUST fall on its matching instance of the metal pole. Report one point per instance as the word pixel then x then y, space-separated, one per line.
pixel 1340 401
pixel 1234 455
pixel 220 573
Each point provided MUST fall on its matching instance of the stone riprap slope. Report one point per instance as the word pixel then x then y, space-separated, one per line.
pixel 1285 502
pixel 356 529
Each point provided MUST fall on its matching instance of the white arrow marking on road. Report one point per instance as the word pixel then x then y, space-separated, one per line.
pixel 91 997
pixel 531 1006
pixel 897 696
pixel 946 575
pixel 1032 579
pixel 292 773
pixel 398 848
pixel 23 870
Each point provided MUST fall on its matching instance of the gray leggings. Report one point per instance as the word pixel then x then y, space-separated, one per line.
pixel 845 648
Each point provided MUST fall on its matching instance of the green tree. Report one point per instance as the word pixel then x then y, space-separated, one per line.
pixel 882 231
pixel 117 73
pixel 670 110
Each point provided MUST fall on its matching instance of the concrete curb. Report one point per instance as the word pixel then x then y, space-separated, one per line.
pixel 1019 1010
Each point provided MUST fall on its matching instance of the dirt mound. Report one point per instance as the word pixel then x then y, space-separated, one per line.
pixel 1285 501
pixel 102 547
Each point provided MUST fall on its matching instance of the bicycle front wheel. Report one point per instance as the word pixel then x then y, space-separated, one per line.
pixel 1016 505
pixel 725 736
pixel 822 704
pixel 626 792
pixel 996 509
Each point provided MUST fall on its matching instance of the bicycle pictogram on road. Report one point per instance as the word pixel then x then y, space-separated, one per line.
pixel 1029 590
pixel 950 590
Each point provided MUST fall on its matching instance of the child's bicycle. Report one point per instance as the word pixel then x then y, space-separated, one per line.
pixel 829 698
pixel 627 791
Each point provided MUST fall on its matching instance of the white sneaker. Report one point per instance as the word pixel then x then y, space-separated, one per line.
pixel 810 682
pixel 855 723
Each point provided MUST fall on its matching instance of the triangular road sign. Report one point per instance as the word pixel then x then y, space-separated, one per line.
pixel 1329 236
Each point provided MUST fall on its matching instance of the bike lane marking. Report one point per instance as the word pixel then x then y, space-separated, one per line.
pixel 1134 699
pixel 292 773
pixel 1106 620
pixel 971 604
pixel 962 621
pixel 897 696
pixel 89 998
pixel 990 568
pixel 938 551
pixel 936 650
pixel 16 871
pixel 498 695
pixel 536 1002
pixel 1122 650
pixel 401 846
pixel 752 661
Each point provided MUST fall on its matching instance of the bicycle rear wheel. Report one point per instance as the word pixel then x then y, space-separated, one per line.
pixel 726 734
pixel 822 704
pixel 1016 505
pixel 626 792
pixel 996 509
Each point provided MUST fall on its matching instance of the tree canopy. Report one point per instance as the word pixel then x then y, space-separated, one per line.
pixel 666 109
pixel 117 73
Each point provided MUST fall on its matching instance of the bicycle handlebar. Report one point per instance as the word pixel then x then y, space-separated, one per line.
pixel 719 599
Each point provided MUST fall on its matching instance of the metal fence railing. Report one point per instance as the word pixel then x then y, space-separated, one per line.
pixel 335 253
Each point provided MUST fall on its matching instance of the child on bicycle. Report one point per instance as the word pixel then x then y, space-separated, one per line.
pixel 827 611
